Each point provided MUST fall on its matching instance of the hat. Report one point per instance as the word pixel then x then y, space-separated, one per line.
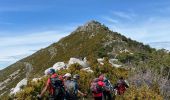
pixel 51 71
pixel 67 75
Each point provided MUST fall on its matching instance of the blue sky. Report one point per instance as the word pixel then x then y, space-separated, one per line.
pixel 29 25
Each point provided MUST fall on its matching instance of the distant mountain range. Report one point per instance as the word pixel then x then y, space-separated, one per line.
pixel 160 45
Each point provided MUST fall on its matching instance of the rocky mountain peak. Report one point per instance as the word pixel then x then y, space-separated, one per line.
pixel 92 23
pixel 90 26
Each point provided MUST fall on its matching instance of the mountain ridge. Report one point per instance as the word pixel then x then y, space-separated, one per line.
pixel 80 35
pixel 92 40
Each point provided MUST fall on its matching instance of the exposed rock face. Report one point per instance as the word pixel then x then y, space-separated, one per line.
pixel 62 65
pixel 90 26
pixel 111 61
pixel 83 62
pixel 88 69
pixel 19 85
pixel 52 51
pixel 59 65
pixel 56 66
pixel 100 61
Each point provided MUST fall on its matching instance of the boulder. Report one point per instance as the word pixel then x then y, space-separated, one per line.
pixel 59 65
pixel 83 62
pixel 18 86
pixel 88 69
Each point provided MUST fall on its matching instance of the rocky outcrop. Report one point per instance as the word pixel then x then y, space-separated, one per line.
pixel 59 65
pixel 19 86
pixel 83 62
pixel 90 26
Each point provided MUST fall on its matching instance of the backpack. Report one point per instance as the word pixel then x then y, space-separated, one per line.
pixel 96 88
pixel 108 86
pixel 71 87
pixel 57 86
pixel 121 87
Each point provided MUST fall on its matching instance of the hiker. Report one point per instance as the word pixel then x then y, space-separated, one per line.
pixel 71 87
pixel 108 89
pixel 97 86
pixel 121 86
pixel 68 84
pixel 55 87
pixel 76 77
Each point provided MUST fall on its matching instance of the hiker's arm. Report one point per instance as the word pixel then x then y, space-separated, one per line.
pixel 43 91
pixel 45 88
pixel 81 93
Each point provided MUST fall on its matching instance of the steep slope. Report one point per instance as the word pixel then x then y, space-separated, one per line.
pixel 92 40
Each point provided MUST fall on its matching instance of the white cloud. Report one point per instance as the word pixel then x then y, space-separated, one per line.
pixel 111 20
pixel 146 29
pixel 154 31
pixel 14 48
pixel 127 15
pixel 41 37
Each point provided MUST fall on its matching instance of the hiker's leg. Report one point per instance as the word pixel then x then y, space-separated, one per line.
pixel 104 95
pixel 51 98
pixel 97 98
pixel 59 98
pixel 75 98
pixel 109 96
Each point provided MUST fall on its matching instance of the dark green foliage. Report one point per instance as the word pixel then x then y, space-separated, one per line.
pixel 102 53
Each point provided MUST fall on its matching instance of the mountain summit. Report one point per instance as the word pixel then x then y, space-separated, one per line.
pixel 90 26
pixel 92 41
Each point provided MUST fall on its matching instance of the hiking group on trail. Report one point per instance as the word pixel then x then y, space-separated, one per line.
pixel 67 88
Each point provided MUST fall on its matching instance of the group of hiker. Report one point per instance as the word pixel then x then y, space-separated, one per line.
pixel 61 87
pixel 67 88
pixel 102 89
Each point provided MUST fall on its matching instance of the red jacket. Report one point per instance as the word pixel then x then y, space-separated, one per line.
pixel 50 89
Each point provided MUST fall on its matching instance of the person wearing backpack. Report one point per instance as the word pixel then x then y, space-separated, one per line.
pixel 121 86
pixel 71 87
pixel 76 77
pixel 97 88
pixel 55 87
pixel 107 93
